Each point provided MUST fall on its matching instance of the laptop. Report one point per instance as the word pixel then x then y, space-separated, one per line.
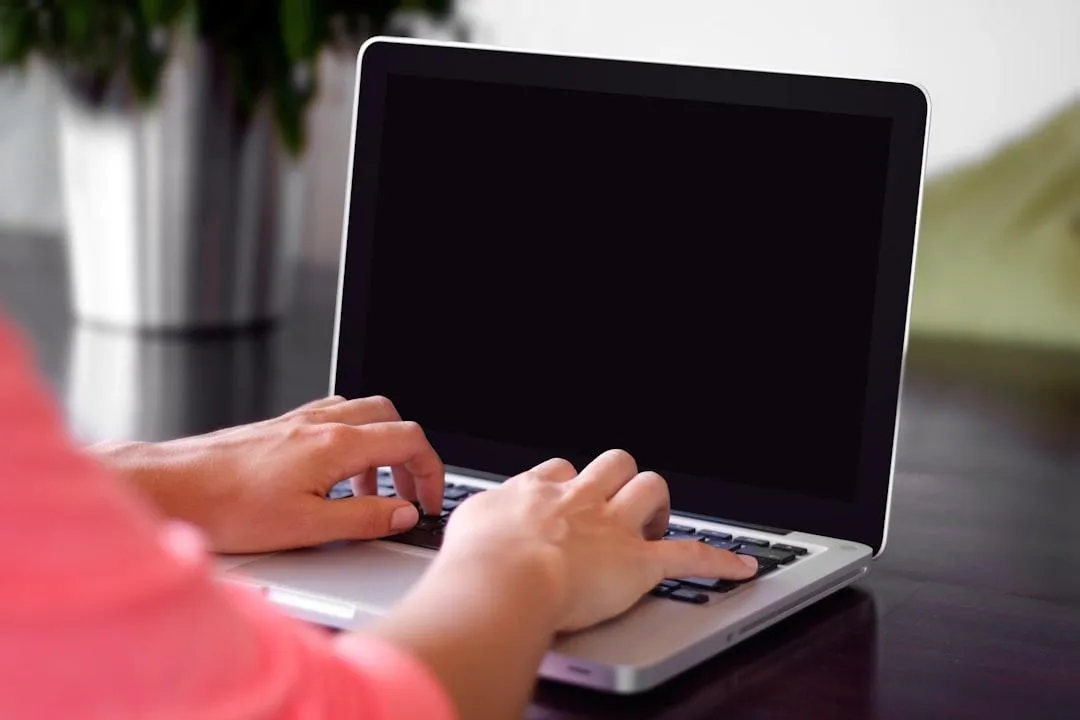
pixel 548 255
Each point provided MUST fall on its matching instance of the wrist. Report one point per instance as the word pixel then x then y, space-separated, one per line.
pixel 477 617
pixel 530 582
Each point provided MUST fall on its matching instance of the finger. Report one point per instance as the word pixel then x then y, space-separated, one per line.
pixel 320 402
pixel 360 411
pixel 607 473
pixel 350 450
pixel 691 558
pixel 364 411
pixel 555 470
pixel 405 484
pixel 644 503
pixel 357 518
pixel 366 483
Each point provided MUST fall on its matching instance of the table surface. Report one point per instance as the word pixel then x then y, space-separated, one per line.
pixel 973 611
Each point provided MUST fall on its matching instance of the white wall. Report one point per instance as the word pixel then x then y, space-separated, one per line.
pixel 992 67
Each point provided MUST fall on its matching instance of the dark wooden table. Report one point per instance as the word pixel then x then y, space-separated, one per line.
pixel 972 612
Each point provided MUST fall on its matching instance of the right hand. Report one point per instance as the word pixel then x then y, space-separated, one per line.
pixel 262 486
pixel 594 536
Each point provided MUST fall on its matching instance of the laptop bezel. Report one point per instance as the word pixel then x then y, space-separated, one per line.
pixel 865 519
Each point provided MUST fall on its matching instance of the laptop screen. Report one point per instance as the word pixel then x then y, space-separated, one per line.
pixel 564 271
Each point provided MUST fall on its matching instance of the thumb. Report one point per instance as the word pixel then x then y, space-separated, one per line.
pixel 362 518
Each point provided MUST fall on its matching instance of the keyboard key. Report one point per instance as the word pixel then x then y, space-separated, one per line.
pixel 723 586
pixel 427 533
pixel 703 583
pixel 764 568
pixel 722 544
pixel 341 490
pixel 455 492
pixel 681 529
pixel 752 541
pixel 800 551
pixel 430 525
pixel 765 565
pixel 781 557
pixel 429 529
pixel 689 596
pixel 679 536
pixel 664 588
pixel 713 535
pixel 419 538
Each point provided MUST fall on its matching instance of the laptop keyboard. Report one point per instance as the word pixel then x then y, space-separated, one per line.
pixel 428 533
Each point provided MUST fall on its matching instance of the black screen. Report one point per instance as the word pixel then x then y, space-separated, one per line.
pixel 572 271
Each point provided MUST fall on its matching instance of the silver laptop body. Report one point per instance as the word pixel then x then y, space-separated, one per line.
pixel 347 585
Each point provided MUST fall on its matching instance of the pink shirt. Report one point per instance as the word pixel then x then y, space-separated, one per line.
pixel 108 612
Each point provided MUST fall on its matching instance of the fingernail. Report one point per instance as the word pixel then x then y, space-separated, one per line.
pixel 749 561
pixel 404 518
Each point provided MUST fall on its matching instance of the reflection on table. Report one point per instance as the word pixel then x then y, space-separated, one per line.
pixel 131 386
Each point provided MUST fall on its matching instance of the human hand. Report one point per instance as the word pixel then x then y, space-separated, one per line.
pixel 262 486
pixel 593 536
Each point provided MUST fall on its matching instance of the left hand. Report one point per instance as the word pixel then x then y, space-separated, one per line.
pixel 262 487
pixel 591 541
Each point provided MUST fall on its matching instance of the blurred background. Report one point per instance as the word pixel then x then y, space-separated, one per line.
pixel 172 181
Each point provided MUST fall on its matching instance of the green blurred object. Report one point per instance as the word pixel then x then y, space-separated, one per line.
pixel 113 53
pixel 999 249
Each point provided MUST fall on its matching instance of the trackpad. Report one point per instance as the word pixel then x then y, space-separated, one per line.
pixel 371 575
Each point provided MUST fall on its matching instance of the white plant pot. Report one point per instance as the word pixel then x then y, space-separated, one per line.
pixel 179 216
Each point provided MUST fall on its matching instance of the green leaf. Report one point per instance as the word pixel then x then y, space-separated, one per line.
pixel 78 21
pixel 439 8
pixel 161 12
pixel 289 111
pixel 153 11
pixel 146 65
pixel 17 31
pixel 298 28
pixel 247 83
pixel 263 42
pixel 290 103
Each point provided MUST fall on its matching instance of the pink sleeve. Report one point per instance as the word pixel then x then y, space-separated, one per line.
pixel 107 612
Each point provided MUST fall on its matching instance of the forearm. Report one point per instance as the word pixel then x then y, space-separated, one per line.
pixel 132 464
pixel 155 473
pixel 482 626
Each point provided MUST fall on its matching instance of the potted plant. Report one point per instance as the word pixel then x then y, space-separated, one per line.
pixel 182 129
